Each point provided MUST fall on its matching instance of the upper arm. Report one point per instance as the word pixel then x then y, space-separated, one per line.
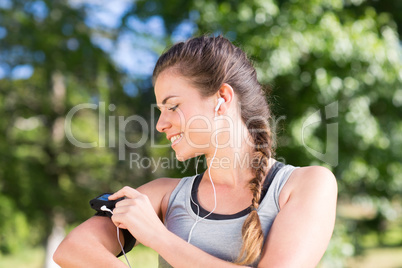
pixel 92 241
pixel 302 229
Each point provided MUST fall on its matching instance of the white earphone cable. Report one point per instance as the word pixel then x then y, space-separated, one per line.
pixel 104 208
pixel 213 187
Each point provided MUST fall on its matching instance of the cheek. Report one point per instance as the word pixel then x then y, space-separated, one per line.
pixel 199 129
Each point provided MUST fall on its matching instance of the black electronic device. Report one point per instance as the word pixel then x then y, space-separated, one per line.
pixel 103 200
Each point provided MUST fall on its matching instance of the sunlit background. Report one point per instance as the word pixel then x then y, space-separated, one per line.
pixel 75 91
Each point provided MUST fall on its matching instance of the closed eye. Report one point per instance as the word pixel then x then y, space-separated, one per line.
pixel 173 108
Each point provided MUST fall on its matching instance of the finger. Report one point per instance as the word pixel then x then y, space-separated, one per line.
pixel 117 223
pixel 126 191
pixel 125 202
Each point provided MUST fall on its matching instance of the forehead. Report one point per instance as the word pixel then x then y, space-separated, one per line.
pixel 168 83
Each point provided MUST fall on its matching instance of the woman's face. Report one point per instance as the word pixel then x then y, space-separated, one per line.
pixel 186 117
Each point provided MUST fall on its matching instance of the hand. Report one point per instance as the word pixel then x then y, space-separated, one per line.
pixel 136 214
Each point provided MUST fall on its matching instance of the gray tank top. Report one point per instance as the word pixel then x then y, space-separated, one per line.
pixel 220 235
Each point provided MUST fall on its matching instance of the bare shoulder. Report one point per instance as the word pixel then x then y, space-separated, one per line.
pixel 159 187
pixel 318 176
pixel 158 192
pixel 312 177
pixel 310 181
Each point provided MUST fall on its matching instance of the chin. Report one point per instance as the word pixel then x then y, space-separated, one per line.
pixel 180 156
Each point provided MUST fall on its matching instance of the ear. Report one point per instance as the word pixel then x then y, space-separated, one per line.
pixel 227 93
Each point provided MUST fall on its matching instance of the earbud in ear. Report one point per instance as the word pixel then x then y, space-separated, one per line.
pixel 220 101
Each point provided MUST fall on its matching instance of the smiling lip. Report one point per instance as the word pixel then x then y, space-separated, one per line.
pixel 174 139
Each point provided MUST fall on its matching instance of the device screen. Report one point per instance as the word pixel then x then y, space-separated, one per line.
pixel 104 197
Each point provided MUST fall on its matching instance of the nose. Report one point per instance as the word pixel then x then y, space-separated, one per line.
pixel 163 123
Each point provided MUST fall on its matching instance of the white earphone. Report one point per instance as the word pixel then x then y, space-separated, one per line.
pixel 220 101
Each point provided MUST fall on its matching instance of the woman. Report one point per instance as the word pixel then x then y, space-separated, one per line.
pixel 246 209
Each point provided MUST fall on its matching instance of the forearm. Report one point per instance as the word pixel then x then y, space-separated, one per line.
pixel 178 253
pixel 92 244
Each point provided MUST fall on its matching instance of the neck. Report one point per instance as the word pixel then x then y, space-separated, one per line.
pixel 230 166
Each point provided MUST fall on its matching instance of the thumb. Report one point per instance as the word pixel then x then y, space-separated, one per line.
pixel 126 191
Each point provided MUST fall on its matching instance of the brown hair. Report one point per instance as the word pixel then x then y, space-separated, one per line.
pixel 208 62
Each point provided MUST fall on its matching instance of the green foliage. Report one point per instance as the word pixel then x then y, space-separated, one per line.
pixel 42 173
pixel 14 226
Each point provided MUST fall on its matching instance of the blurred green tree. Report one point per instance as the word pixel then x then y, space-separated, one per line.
pixel 49 65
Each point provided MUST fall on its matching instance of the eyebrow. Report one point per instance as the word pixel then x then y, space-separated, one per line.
pixel 168 97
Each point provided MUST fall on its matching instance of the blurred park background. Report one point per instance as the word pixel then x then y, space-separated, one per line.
pixel 76 114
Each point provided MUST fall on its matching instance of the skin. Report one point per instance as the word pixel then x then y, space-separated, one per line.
pixel 299 235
